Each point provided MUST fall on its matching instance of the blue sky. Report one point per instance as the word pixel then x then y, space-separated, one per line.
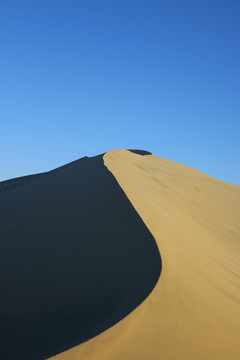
pixel 83 77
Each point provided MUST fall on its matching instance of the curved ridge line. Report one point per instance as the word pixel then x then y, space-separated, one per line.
pixel 144 299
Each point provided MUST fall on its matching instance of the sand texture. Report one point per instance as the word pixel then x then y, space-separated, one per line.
pixel 194 310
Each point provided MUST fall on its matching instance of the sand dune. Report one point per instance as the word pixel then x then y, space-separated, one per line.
pixel 80 262
pixel 75 258
pixel 194 310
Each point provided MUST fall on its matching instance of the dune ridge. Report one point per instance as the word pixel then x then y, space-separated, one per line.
pixel 194 310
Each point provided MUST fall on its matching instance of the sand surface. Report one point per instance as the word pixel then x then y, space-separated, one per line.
pixel 75 258
pixel 194 310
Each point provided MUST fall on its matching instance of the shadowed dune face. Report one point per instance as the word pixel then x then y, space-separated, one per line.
pixel 14 183
pixel 140 152
pixel 75 258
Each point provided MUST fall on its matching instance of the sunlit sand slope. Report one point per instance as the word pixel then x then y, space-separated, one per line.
pixel 194 310
pixel 75 258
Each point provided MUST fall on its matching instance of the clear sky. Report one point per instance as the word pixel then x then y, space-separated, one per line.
pixel 81 77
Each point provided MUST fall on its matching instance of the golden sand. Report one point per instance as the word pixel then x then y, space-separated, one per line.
pixel 194 310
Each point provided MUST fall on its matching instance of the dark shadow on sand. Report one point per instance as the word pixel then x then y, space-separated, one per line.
pixel 75 258
pixel 140 152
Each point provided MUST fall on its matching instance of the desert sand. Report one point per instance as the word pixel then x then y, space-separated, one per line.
pixel 75 258
pixel 193 311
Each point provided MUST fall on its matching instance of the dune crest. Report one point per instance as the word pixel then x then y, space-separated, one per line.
pixel 194 310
